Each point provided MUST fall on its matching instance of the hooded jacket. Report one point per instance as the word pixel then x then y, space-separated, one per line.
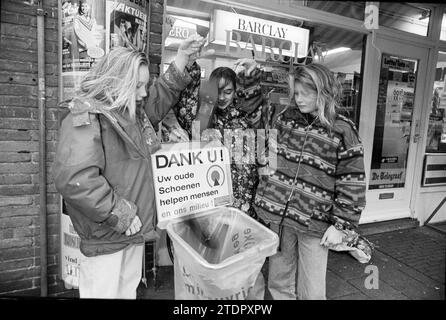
pixel 103 167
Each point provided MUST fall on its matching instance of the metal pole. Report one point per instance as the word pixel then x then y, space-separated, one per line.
pixel 42 146
pixel 60 98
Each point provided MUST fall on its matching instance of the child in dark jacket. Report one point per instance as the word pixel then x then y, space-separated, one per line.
pixel 228 124
pixel 233 128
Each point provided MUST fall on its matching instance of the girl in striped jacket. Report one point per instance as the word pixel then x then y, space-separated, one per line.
pixel 317 185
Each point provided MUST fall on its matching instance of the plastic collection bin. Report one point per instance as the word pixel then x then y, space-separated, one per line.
pixel 228 270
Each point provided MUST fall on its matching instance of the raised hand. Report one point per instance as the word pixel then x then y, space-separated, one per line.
pixel 246 64
pixel 188 51
pixel 191 45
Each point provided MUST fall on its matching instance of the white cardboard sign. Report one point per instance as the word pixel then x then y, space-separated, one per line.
pixel 71 255
pixel 190 178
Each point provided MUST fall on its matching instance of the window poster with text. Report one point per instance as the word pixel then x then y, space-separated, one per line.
pixel 83 36
pixel 393 122
pixel 126 23
pixel 91 28
pixel 71 256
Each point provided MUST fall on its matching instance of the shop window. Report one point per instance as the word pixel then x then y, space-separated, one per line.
pixel 436 132
pixel 408 17
pixel 350 9
pixel 396 96
pixel 274 41
pixel 443 28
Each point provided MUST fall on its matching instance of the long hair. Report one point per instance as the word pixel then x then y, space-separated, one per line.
pixel 328 90
pixel 114 78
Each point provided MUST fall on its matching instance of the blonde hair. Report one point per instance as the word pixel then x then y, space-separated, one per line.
pixel 328 90
pixel 114 79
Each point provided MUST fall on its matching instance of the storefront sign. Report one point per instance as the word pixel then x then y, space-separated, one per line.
pixel 398 63
pixel 190 178
pixel 181 32
pixel 387 178
pixel 264 37
pixel 434 171
pixel 183 27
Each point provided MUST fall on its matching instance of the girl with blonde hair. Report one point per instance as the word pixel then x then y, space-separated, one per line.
pixel 317 187
pixel 103 169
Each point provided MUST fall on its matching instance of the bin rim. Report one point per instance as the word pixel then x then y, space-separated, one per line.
pixel 251 252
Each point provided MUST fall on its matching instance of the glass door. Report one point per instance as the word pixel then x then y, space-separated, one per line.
pixel 395 117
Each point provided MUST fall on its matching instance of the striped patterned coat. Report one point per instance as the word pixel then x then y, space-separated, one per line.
pixel 325 168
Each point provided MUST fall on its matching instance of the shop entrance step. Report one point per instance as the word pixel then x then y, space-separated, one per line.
pixel 388 226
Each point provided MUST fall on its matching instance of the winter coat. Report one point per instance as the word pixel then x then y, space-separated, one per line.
pixel 184 112
pixel 243 170
pixel 326 170
pixel 103 166
pixel 325 167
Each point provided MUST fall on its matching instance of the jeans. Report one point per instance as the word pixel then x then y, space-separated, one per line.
pixel 302 252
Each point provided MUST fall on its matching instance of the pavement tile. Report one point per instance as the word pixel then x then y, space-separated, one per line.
pixel 348 267
pixel 338 287
pixel 409 286
pixel 383 260
pixel 420 277
pixel 421 265
pixel 384 291
pixel 353 296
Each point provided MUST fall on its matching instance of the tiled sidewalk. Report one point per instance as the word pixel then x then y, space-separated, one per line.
pixel 410 265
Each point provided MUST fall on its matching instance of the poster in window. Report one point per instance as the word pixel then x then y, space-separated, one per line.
pixel 71 255
pixel 126 23
pixel 83 34
pixel 393 123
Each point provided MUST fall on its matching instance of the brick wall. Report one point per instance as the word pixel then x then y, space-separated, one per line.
pixel 155 34
pixel 19 144
pixel 19 147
